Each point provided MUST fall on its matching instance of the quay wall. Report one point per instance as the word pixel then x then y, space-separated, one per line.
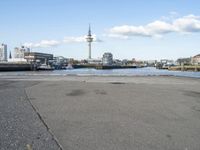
pixel 15 67
pixel 185 68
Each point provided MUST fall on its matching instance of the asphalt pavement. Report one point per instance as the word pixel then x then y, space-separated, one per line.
pixel 155 113
pixel 99 113
pixel 21 128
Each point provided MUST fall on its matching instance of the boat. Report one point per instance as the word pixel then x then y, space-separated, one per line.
pixel 45 67
pixel 69 66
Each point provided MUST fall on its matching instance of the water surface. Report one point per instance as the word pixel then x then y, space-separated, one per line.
pixel 149 71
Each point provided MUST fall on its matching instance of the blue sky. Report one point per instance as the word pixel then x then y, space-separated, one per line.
pixel 141 29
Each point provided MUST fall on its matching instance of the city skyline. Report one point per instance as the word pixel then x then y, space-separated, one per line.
pixel 127 29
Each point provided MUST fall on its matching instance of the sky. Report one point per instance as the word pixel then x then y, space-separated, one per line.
pixel 140 29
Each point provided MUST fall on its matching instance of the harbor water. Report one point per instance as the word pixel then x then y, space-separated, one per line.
pixel 149 71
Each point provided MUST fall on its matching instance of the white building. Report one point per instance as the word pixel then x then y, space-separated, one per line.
pixel 3 53
pixel 196 59
pixel 19 53
pixel 167 62
pixel 107 59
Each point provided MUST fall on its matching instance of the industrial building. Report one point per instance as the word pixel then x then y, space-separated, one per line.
pixel 41 58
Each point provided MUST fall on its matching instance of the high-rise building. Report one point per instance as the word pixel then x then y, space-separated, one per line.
pixel 19 52
pixel 107 59
pixel 89 39
pixel 3 53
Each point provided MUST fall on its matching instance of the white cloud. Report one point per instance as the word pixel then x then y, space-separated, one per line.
pixel 185 24
pixel 52 43
pixel 74 39
pixel 172 15
pixel 80 39
pixel 116 36
pixel 43 44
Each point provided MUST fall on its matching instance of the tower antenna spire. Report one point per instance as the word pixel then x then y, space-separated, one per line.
pixel 89 31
